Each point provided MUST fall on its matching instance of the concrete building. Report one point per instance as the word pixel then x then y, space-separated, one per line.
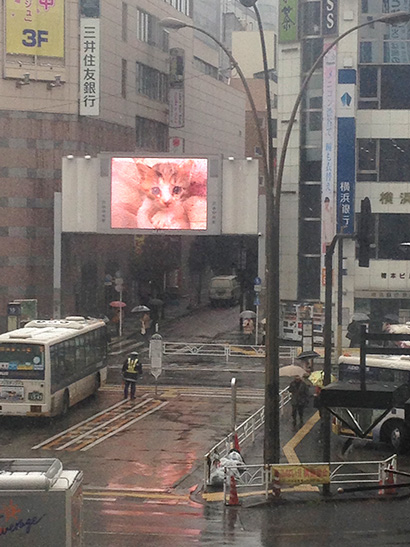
pixel 350 141
pixel 49 109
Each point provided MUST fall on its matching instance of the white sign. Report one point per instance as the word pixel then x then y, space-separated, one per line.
pixel 89 66
pixel 176 145
pixel 155 353
pixel 328 148
pixel 176 107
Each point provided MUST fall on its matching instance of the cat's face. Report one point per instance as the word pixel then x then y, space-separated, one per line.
pixel 166 183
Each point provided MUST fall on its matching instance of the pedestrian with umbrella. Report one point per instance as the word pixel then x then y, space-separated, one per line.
pixel 300 398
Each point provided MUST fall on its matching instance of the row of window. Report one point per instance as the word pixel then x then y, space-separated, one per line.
pixel 206 68
pixel 77 357
pixel 384 160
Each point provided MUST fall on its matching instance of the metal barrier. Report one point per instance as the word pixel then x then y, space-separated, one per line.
pixel 225 350
pixel 353 473
pixel 245 431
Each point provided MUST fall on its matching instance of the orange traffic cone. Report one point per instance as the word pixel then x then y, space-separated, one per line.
pixel 236 443
pixel 381 489
pixel 276 484
pixel 390 480
pixel 233 493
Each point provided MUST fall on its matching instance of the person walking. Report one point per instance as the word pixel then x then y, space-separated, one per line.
pixel 131 370
pixel 300 397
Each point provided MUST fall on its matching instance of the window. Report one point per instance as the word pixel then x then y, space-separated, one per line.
pixel 384 87
pixel 123 78
pixel 310 16
pixel 149 30
pixel 383 160
pixel 124 21
pixel 183 6
pixel 309 278
pixel 152 83
pixel 151 135
pixel 206 68
pixel 312 48
pixel 390 230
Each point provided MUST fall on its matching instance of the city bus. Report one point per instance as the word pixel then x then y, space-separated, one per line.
pixel 393 370
pixel 49 365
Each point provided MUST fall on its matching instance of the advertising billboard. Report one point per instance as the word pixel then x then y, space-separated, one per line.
pixel 159 193
pixel 35 27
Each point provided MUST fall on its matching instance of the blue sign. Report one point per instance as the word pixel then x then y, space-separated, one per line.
pixel 346 152
pixel 257 281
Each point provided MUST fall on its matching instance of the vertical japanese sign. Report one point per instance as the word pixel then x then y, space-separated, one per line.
pixel 288 21
pixel 328 148
pixel 346 140
pixel 395 46
pixel 35 27
pixel 90 66
pixel 176 92
pixel 329 17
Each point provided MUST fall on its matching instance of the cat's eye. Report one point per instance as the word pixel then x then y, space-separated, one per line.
pixel 155 190
pixel 177 190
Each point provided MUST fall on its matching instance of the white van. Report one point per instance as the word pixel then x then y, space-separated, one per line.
pixel 224 289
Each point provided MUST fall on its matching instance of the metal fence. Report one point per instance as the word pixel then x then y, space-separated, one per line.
pixel 356 473
pixel 245 431
pixel 227 351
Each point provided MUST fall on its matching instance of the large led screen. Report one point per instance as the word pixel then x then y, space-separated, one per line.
pixel 159 193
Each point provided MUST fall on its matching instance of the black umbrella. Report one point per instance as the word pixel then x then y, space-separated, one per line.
pixel 308 355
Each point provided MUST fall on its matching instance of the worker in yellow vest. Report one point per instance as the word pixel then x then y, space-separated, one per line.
pixel 131 370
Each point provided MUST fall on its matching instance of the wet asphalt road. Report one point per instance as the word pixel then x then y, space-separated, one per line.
pixel 137 482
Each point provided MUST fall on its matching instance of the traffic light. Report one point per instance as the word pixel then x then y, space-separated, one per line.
pixel 365 233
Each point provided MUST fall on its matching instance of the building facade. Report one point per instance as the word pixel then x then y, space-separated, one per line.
pixel 350 141
pixel 65 92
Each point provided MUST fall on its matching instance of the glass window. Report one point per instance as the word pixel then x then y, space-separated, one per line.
pixel 151 135
pixel 312 49
pixel 367 154
pixel 310 17
pixel 124 21
pixel 394 229
pixel 310 206
pixel 309 237
pixel 395 87
pixel 394 160
pixel 368 81
pixel 309 278
pixel 123 78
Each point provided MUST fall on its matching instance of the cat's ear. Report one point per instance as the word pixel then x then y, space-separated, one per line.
pixel 186 167
pixel 143 171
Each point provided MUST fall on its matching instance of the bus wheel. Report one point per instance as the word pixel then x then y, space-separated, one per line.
pixel 66 403
pixel 398 436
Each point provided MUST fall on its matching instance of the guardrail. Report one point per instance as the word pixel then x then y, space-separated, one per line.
pixel 225 350
pixel 353 473
pixel 245 431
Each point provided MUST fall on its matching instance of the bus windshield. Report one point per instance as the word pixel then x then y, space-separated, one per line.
pixel 21 361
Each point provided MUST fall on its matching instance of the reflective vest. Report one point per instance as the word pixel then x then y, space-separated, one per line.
pixel 132 368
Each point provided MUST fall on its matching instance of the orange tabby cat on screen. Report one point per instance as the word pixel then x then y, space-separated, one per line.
pixel 159 194
pixel 166 187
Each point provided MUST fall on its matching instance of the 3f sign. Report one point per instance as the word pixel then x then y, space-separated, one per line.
pixel 329 17
pixel 34 38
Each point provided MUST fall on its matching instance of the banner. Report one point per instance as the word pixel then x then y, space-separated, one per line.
pixel 346 152
pixel 288 21
pixel 89 66
pixel 176 92
pixel 35 27
pixel 304 473
pixel 329 17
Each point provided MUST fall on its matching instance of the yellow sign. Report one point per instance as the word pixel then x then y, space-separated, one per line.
pixel 305 473
pixel 35 27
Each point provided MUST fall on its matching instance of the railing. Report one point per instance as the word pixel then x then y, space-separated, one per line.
pixel 245 431
pixel 225 350
pixel 356 473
